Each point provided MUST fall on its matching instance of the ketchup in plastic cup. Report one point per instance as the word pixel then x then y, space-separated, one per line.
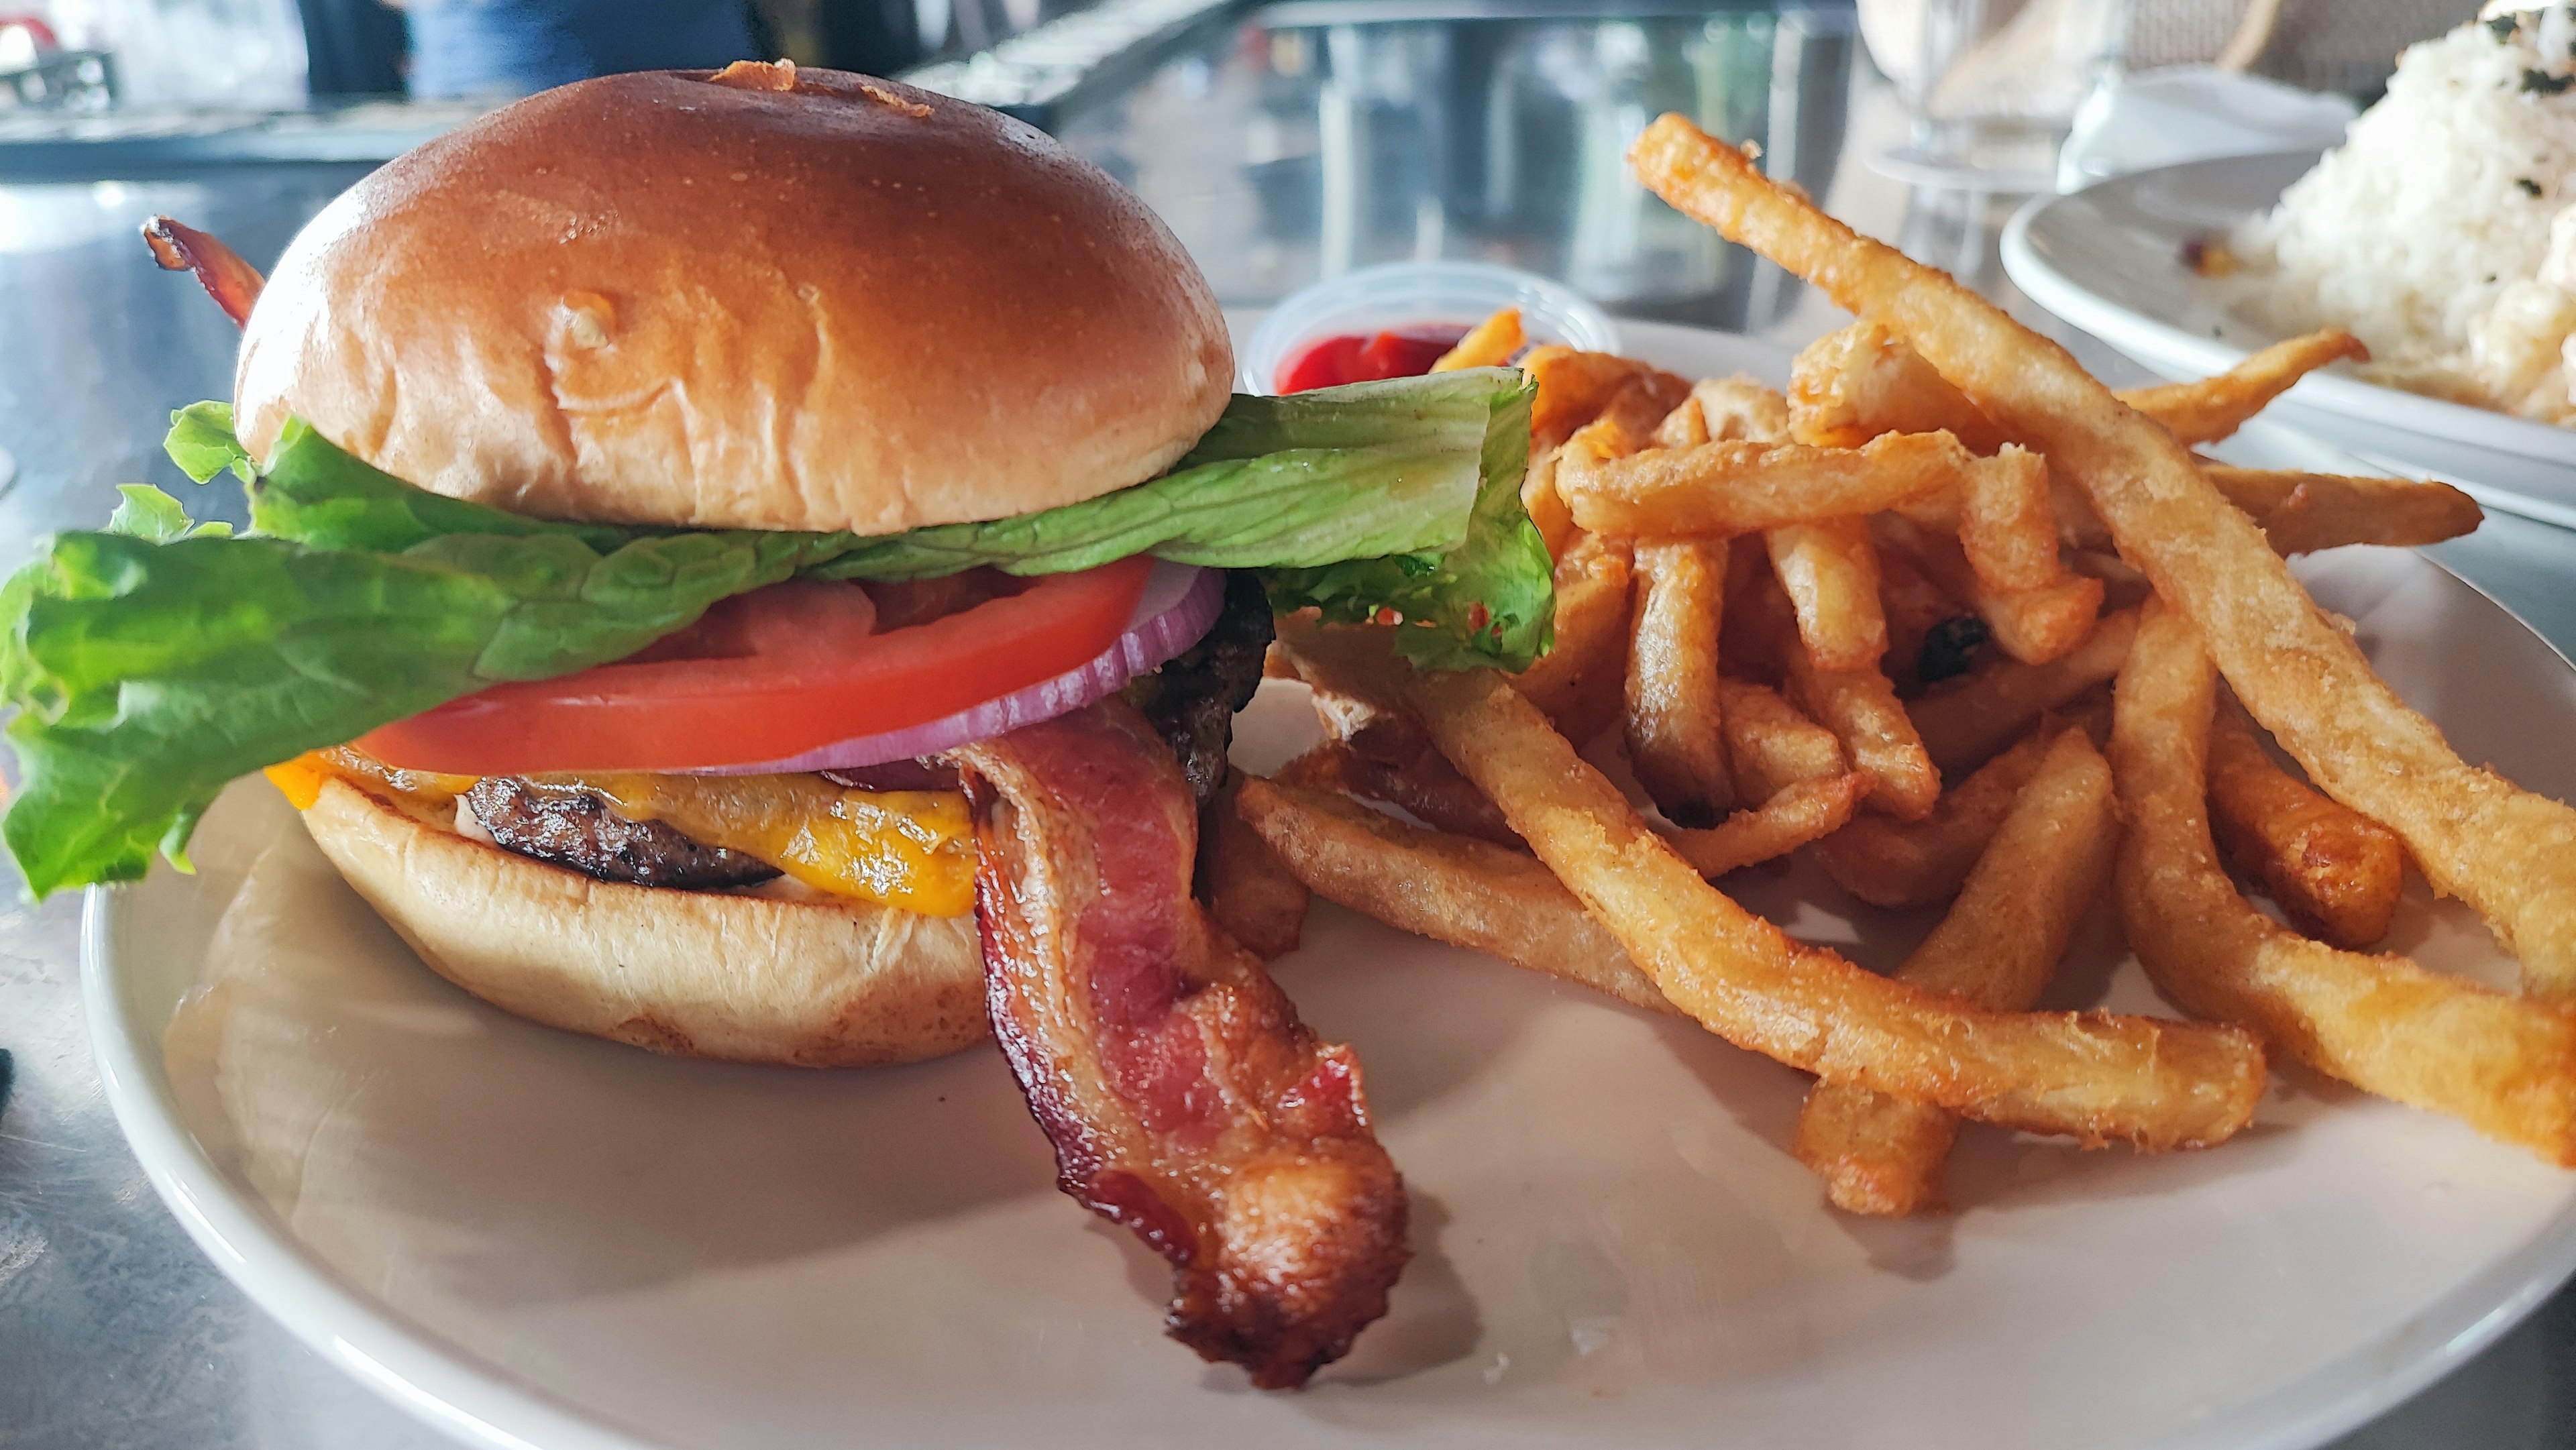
pixel 1396 319
pixel 1360 357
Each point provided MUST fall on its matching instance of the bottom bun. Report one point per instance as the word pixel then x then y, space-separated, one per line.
pixel 823 983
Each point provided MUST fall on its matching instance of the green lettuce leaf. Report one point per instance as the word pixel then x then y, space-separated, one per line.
pixel 201 442
pixel 148 674
pixel 152 663
pixel 1490 601
pixel 148 514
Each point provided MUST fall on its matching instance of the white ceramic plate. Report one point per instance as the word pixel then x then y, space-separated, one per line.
pixel 2109 259
pixel 542 1240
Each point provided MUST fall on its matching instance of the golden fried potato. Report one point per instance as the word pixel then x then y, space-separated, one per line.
pixel 1581 682
pixel 1861 708
pixel 1464 892
pixel 2509 853
pixel 1248 892
pixel 2007 525
pixel 2337 872
pixel 1574 387
pixel 2504 1064
pixel 1888 862
pixel 1489 344
pixel 2032 625
pixel 1850 386
pixel 1829 570
pixel 1727 488
pixel 1740 408
pixel 1801 812
pixel 1672 693
pixel 2095 1076
pixel 2210 409
pixel 1770 746
pixel 2301 513
pixel 1966 723
pixel 1997 948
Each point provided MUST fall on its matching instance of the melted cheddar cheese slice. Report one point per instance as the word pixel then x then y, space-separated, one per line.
pixel 910 849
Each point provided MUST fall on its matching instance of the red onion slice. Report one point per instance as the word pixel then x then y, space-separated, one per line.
pixel 1178 607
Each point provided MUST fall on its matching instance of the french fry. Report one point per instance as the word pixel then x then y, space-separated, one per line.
pixel 1684 427
pixel 1997 948
pixel 1628 423
pixel 1448 888
pixel 2382 1023
pixel 1545 506
pixel 1378 749
pixel 2096 1076
pixel 1804 811
pixel 2007 526
pixel 2509 853
pixel 1744 487
pixel 1896 863
pixel 1325 767
pixel 1770 746
pixel 1966 724
pixel 1489 344
pixel 2336 872
pixel 1861 708
pixel 2039 625
pixel 1574 387
pixel 1740 408
pixel 1848 387
pixel 1759 619
pixel 2301 513
pixel 1673 711
pixel 2032 625
pixel 1829 570
pixel 1580 682
pixel 1914 607
pixel 2215 406
pixel 1247 890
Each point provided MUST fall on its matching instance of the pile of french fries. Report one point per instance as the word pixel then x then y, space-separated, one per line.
pixel 1956 618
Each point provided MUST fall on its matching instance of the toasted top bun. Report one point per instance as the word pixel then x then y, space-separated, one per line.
pixel 767 298
pixel 820 983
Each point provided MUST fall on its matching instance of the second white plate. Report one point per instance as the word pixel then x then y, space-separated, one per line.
pixel 2109 259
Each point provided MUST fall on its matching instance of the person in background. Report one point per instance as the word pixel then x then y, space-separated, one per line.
pixel 515 47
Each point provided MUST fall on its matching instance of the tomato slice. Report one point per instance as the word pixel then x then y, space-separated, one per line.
pixel 771 674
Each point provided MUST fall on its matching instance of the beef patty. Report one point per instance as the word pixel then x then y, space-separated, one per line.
pixel 1192 700
pixel 575 828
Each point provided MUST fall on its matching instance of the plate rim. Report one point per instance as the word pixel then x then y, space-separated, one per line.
pixel 459 1393
pixel 2124 326
pixel 446 1387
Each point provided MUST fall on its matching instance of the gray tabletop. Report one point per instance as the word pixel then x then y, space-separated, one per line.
pixel 1322 136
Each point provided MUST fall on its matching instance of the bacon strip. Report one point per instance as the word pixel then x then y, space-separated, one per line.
pixel 232 282
pixel 1184 1098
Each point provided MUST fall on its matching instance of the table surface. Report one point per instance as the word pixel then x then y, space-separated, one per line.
pixel 1306 151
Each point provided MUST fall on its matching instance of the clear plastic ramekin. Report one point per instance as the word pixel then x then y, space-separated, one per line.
pixel 1402 294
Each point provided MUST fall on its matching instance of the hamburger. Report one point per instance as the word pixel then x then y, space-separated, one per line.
pixel 761 565
pixel 651 480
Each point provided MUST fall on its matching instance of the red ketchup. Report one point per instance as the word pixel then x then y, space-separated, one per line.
pixel 1361 357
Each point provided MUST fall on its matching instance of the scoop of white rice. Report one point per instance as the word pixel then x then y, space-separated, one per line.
pixel 2429 232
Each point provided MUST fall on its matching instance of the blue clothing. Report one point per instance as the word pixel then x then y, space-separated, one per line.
pixel 514 47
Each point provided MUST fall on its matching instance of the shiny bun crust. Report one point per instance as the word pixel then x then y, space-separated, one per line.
pixel 677 298
pixel 695 974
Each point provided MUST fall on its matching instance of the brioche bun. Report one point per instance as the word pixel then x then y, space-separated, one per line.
pixel 822 983
pixel 692 299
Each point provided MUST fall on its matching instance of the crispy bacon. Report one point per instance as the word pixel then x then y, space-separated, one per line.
pixel 232 282
pixel 1184 1098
